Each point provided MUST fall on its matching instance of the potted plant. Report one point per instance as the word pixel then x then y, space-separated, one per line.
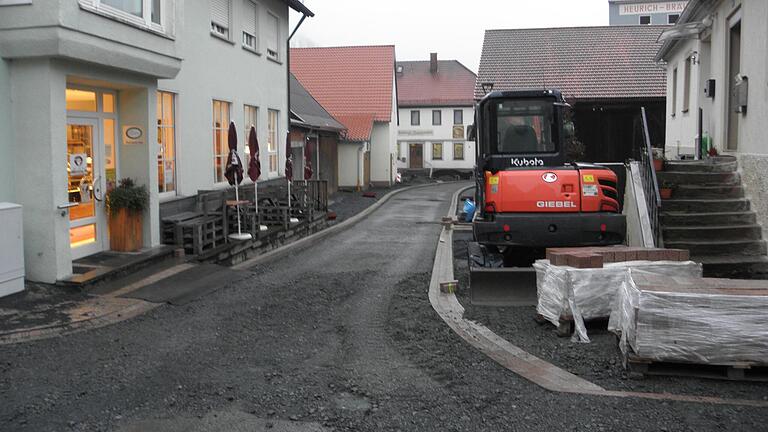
pixel 658 158
pixel 666 190
pixel 125 205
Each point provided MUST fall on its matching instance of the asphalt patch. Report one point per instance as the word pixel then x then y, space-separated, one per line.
pixel 188 285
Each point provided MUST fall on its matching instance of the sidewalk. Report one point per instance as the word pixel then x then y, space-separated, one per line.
pixel 42 311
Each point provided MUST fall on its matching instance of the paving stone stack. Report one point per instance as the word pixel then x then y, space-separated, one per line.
pixel 692 320
pixel 709 215
pixel 575 285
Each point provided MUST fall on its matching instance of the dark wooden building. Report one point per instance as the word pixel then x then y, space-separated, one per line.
pixel 606 73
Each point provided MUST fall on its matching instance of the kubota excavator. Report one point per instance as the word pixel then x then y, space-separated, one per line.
pixel 529 196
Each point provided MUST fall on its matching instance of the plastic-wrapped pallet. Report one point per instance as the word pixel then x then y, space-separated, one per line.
pixel 703 321
pixel 586 294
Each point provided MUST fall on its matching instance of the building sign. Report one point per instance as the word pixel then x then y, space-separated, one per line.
pixel 133 135
pixel 668 7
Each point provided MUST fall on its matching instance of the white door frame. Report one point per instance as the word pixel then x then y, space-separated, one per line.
pixel 98 190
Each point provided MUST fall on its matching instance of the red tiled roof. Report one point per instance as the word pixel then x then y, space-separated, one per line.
pixel 452 85
pixel 583 62
pixel 359 126
pixel 350 82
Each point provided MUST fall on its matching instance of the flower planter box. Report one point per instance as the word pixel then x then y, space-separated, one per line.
pixel 666 193
pixel 125 231
pixel 658 164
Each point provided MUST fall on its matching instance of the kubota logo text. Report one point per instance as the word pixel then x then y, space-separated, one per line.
pixel 526 162
pixel 555 204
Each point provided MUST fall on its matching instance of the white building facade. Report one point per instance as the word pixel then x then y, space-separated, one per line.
pixel 720 65
pixel 435 106
pixel 435 137
pixel 94 91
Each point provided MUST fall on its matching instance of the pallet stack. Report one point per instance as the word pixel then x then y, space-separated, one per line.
pixel 703 321
pixel 575 285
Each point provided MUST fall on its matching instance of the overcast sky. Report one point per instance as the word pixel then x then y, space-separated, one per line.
pixel 453 29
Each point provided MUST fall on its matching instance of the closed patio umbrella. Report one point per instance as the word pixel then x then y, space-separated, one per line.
pixel 289 172
pixel 234 175
pixel 254 169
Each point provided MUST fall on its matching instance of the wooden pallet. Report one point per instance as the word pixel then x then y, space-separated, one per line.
pixel 745 371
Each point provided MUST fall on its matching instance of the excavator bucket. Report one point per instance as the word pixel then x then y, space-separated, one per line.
pixel 491 284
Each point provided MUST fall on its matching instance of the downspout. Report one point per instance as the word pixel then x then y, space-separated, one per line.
pixel 288 72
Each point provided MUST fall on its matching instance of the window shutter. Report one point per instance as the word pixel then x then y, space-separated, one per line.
pixel 273 31
pixel 220 12
pixel 249 20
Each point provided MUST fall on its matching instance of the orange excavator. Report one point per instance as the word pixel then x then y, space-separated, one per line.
pixel 529 196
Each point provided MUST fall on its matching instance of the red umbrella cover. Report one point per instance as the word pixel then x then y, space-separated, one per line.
pixel 254 165
pixel 234 170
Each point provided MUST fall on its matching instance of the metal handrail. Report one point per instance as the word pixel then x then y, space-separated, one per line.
pixel 650 182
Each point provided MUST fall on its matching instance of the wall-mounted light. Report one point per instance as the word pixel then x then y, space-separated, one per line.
pixel 695 58
pixel 487 87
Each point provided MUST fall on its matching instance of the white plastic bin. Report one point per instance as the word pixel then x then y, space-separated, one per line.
pixel 11 249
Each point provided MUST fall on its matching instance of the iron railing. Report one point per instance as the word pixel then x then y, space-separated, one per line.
pixel 650 182
pixel 315 192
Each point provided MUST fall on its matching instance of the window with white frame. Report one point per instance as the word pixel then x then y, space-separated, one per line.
pixel 272 140
pixel 220 132
pixel 645 19
pixel 250 25
pixel 437 117
pixel 415 118
pixel 458 151
pixel 672 18
pixel 458 117
pixel 674 91
pixel 249 119
pixel 147 13
pixel 273 36
pixel 437 151
pixel 220 17
pixel 166 140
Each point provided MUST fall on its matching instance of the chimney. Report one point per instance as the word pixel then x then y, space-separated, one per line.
pixel 433 62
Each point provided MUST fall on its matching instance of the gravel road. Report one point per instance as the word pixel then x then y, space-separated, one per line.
pixel 340 335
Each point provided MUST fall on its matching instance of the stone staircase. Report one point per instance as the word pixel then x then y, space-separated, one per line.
pixel 709 215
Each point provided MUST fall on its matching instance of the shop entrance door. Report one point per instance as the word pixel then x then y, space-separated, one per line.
pixel 86 186
pixel 416 156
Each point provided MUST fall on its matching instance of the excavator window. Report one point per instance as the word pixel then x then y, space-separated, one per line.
pixel 524 127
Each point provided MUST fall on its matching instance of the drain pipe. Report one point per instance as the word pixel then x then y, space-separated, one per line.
pixel 288 69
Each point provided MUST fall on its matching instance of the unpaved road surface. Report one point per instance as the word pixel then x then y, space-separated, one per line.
pixel 339 336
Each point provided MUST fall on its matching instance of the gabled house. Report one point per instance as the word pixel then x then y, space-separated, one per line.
pixel 94 91
pixel 436 102
pixel 314 137
pixel 606 73
pixel 356 84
